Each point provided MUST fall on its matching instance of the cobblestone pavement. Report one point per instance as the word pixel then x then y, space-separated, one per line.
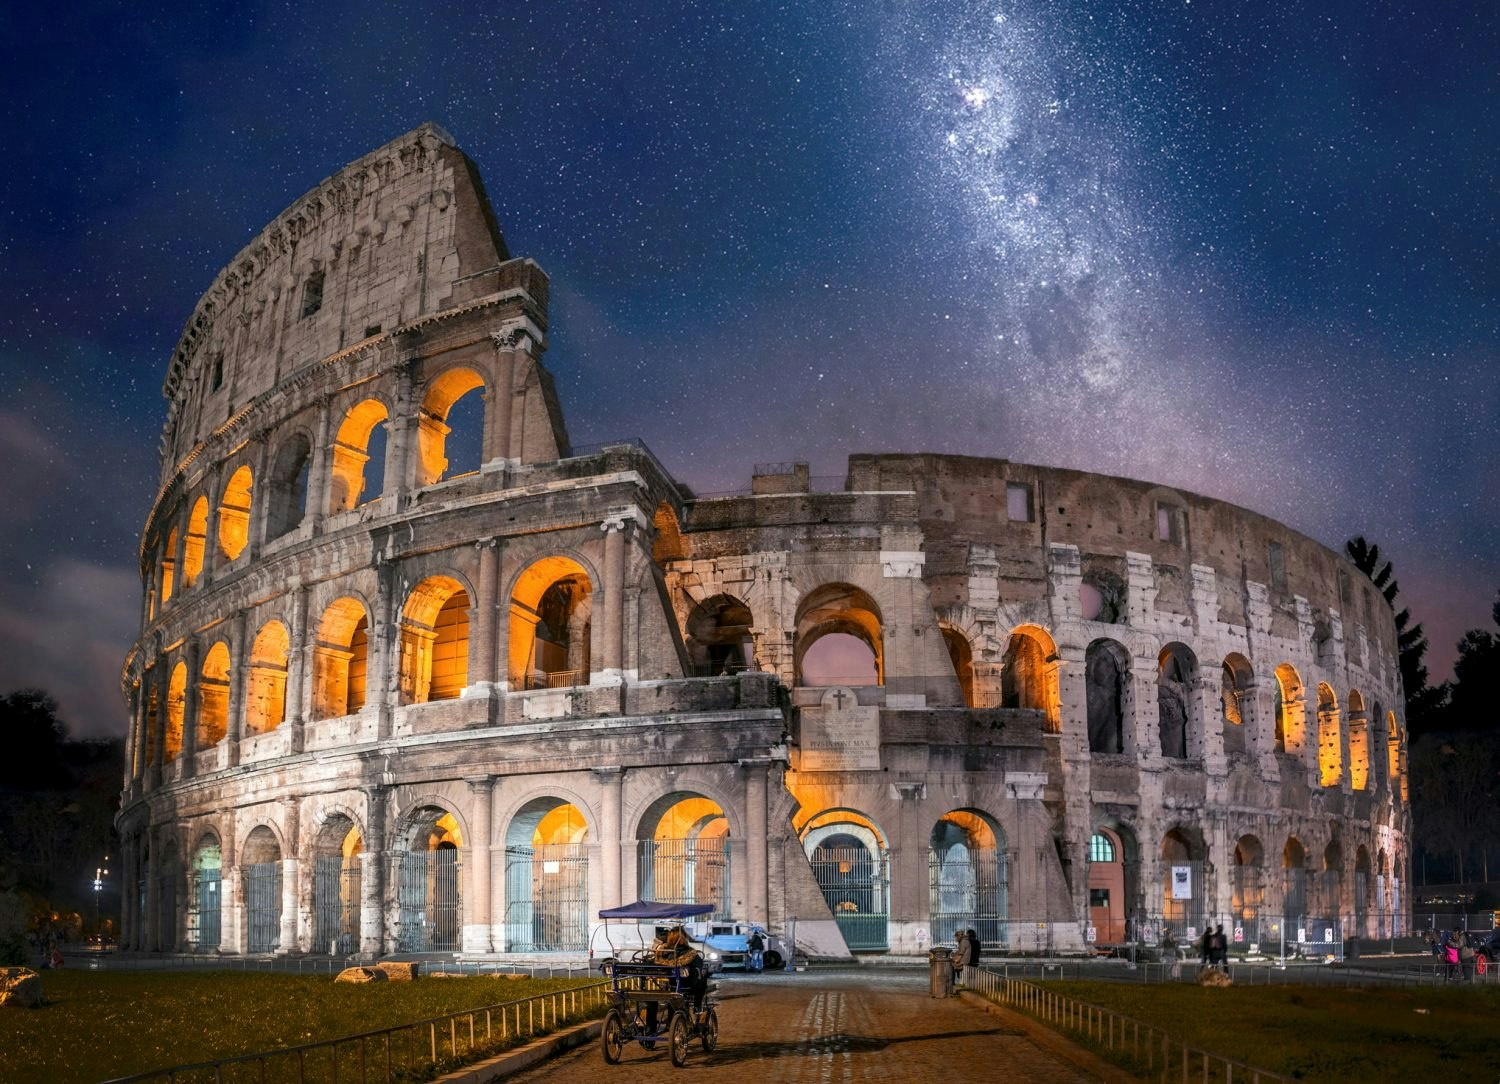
pixel 832 1027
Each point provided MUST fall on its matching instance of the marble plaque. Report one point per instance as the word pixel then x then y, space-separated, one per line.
pixel 839 735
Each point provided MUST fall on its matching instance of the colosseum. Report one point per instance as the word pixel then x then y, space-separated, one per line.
pixel 416 674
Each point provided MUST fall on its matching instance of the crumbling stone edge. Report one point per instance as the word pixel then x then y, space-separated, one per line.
pixel 524 1057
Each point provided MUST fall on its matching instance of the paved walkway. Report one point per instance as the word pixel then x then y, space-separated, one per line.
pixel 833 1027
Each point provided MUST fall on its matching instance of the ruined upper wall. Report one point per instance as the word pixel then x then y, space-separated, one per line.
pixel 401 233
pixel 963 502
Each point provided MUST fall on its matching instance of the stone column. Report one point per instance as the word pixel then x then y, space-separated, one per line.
pixel 150 942
pixel 382 678
pixel 239 664
pixel 298 664
pixel 157 725
pixel 502 397
pixel 476 899
pixel 611 812
pixel 318 469
pixel 191 652
pixel 372 876
pixel 259 490
pixel 614 600
pixel 136 749
pixel 401 445
pixel 127 892
pixel 755 837
pixel 287 939
pixel 483 675
pixel 231 904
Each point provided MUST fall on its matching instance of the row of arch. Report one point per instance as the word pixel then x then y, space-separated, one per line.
pixel 353 471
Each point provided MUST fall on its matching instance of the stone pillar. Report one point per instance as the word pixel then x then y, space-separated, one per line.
pixel 611 813
pixel 502 398
pixel 612 646
pixel 755 838
pixel 382 678
pixel 401 445
pixel 287 939
pixel 259 490
pixel 372 876
pixel 192 650
pixel 476 898
pixel 231 903
pixel 298 665
pixel 319 468
pixel 483 674
pixel 126 933
pixel 136 750
pixel 157 725
pixel 150 940
pixel 239 665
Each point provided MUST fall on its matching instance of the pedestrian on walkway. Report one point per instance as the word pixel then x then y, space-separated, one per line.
pixel 1465 955
pixel 960 957
pixel 1206 948
pixel 975 945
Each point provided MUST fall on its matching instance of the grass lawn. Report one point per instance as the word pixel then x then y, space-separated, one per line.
pixel 102 1024
pixel 1323 1034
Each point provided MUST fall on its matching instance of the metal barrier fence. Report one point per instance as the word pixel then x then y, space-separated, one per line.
pixel 1122 1036
pixel 392 1054
pixel 1350 976
pixel 546 892
pixel 336 903
pixel 428 895
pixel 696 870
pixel 262 907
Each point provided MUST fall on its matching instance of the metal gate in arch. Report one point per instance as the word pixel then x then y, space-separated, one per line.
pixel 546 898
pixel 263 906
pixel 204 920
pixel 856 886
pixel 968 889
pixel 336 905
pixel 428 919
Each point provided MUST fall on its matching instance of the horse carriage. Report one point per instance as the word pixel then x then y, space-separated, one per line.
pixel 657 994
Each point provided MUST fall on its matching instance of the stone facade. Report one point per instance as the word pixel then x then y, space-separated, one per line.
pixel 415 674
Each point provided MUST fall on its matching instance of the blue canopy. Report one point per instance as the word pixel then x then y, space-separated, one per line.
pixel 649 910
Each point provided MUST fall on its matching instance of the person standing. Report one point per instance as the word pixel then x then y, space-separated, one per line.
pixel 1465 955
pixel 756 947
pixel 960 956
pixel 975 945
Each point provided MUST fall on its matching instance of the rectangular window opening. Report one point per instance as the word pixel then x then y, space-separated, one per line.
pixel 312 294
pixel 1278 568
pixel 1018 502
pixel 1169 523
pixel 218 376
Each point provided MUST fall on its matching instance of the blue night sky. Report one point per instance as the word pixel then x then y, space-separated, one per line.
pixel 1244 249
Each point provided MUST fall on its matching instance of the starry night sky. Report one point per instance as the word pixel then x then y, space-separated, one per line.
pixel 1248 250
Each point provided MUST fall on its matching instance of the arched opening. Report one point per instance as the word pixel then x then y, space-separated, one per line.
pixel 428 891
pixel 1247 885
pixel 1236 681
pixel 1101 596
pixel 1109 893
pixel 234 515
pixel 547 878
pixel 265 707
pixel 434 641
pixel 168 565
pixel 449 435
pixel 550 610
pixel 286 493
pixel 340 659
pixel 1106 668
pixel 683 852
pixel 1289 709
pixel 1362 887
pixel 1395 759
pixel 961 655
pixel 718 637
pixel 1331 886
pixel 1294 882
pixel 1359 742
pixel 968 881
pixel 197 538
pixel 1029 678
pixel 336 880
pixel 839 638
pixel 205 913
pixel 666 541
pixel 850 862
pixel 1183 888
pixel 176 699
pixel 262 876
pixel 1176 672
pixel 213 696
pixel 1330 755
pixel 357 467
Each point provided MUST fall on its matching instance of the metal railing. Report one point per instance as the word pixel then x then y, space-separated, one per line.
pixel 1124 1037
pixel 391 1054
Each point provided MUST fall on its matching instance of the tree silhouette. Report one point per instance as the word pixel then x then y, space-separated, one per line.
pixel 1424 703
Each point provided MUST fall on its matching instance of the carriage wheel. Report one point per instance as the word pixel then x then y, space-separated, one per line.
pixel 679 1039
pixel 613 1039
pixel 773 961
pixel 710 1036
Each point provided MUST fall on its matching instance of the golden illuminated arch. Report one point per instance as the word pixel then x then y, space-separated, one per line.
pixel 551 607
pixel 351 453
pixel 1290 709
pixel 839 609
pixel 1330 739
pixel 340 659
pixel 234 514
pixel 435 641
pixel 1359 742
pixel 1029 679
pixel 266 704
pixel 197 537
pixel 176 697
pixel 168 565
pixel 213 696
pixel 961 655
pixel 432 428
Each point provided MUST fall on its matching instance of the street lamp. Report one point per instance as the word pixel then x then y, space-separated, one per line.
pixel 100 872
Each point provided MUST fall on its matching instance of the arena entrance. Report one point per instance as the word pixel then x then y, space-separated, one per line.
pixel 851 864
pixel 967 878
pixel 205 914
pixel 427 885
pixel 684 853
pixel 547 878
pixel 336 881
pixel 262 891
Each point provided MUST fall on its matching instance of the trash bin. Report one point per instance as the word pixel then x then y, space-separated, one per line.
pixel 940 965
pixel 1351 948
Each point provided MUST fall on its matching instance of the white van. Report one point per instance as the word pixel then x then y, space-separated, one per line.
pixel 624 939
